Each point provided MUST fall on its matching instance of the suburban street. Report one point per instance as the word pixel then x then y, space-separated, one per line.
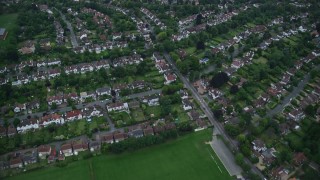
pixel 218 127
pixel 286 101
pixel 73 38
pixel 101 103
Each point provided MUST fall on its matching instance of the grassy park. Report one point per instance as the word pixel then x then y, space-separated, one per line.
pixel 7 21
pixel 187 157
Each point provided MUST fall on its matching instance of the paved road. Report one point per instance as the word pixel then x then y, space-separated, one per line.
pixel 225 155
pixel 286 101
pixel 73 38
pixel 205 108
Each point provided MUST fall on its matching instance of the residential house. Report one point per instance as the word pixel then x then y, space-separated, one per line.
pixel 107 138
pixel 118 106
pixel 268 156
pixel 194 115
pixel 158 129
pixel 79 147
pixel 44 151
pixel 186 104
pixel 11 131
pixel 258 145
pixel 52 73
pixel 95 146
pixel 119 136
pixel 183 94
pixel 137 132
pixel 53 155
pixel 28 47
pixel 296 114
pixel 85 95
pixel 16 163
pixel 58 99
pixel 148 131
pixel 66 149
pixel 73 115
pixel 103 91
pixel 19 107
pixel 28 124
pixel 201 123
pixel 30 158
pixel 169 77
pixel 157 57
pixel 51 118
pixel 215 93
pixel 279 173
pixel 35 104
pixel 152 100
pixel 139 84
pixel 92 111
pixel 299 158
pixel 162 66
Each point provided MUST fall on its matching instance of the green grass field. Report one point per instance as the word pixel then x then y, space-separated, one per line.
pixel 8 21
pixel 186 158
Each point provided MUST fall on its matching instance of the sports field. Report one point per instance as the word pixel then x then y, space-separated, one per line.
pixel 187 158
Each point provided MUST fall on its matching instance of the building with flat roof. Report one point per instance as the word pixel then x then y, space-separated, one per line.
pixel 3 33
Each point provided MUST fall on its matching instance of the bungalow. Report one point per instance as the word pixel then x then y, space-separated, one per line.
pixel 215 93
pixel 43 151
pixel 103 91
pixel 186 104
pixel 73 115
pixel 258 145
pixel 107 138
pixel 169 77
pixel 19 107
pixel 119 136
pixel 118 106
pixel 16 163
pixel 66 149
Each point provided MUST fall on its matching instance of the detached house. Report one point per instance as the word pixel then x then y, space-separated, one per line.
pixel 259 145
pixel 169 77
pixel 215 93
pixel 55 99
pixel 19 107
pixel 186 104
pixel 103 91
pixel 296 114
pixel 51 118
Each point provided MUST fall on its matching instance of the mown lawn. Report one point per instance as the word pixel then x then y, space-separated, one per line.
pixel 186 158
pixel 8 21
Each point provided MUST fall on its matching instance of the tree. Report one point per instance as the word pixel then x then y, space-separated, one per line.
pixel 161 36
pixel 54 106
pixel 16 122
pixel 231 49
pixel 200 45
pixel 199 19
pixel 219 80
pixel 234 89
pixel 239 159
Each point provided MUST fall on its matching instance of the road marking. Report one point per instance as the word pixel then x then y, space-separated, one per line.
pixel 215 161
